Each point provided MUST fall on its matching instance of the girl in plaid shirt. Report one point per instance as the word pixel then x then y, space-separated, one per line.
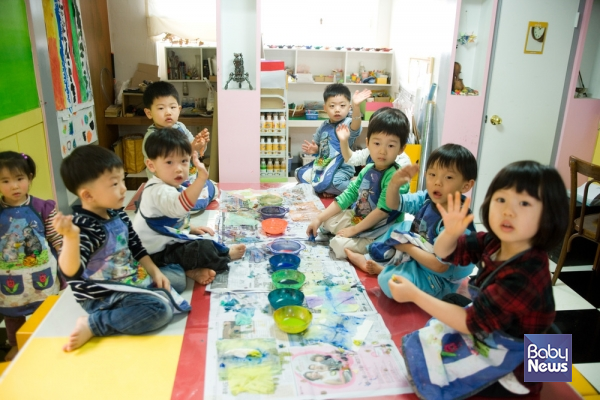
pixel 479 348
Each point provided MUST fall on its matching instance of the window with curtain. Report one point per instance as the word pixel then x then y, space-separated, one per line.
pixel 186 19
pixel 317 22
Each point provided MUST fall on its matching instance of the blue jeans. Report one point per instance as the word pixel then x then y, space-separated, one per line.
pixel 127 313
pixel 176 275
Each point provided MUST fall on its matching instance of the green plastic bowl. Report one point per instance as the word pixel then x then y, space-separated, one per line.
pixel 270 200
pixel 292 319
pixel 288 278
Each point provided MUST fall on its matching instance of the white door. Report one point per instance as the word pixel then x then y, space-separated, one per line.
pixel 525 90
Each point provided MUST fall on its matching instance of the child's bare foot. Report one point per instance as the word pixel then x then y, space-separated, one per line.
pixel 203 276
pixel 11 353
pixel 373 268
pixel 358 260
pixel 237 251
pixel 80 335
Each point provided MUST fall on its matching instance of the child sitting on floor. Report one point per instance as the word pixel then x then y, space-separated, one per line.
pixel 328 174
pixel 163 218
pixel 450 168
pixel 525 212
pixel 161 105
pixel 359 214
pixel 103 259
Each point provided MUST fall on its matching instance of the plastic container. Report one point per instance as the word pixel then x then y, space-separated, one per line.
pixel 273 212
pixel 270 200
pixel 284 261
pixel 288 278
pixel 292 319
pixel 285 297
pixel 274 226
pixel 311 114
pixel 285 246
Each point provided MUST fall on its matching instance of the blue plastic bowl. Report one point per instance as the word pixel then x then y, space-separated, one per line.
pixel 272 212
pixel 284 261
pixel 285 246
pixel 285 297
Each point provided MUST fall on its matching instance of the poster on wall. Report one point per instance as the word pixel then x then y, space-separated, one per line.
pixel 78 130
pixel 536 37
pixel 70 73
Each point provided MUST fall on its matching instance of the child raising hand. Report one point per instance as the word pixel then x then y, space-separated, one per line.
pixel 525 212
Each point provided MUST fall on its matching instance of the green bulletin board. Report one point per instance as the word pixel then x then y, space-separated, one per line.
pixel 18 92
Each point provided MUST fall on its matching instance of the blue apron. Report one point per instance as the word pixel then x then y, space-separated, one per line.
pixel 319 173
pixel 28 269
pixel 369 193
pixel 443 363
pixel 177 228
pixel 113 267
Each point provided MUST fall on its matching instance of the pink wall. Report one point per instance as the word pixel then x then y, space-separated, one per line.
pixel 238 118
pixel 463 115
pixel 580 126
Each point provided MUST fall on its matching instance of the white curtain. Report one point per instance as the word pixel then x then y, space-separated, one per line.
pixel 187 19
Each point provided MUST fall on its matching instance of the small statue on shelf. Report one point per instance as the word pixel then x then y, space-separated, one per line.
pixel 238 75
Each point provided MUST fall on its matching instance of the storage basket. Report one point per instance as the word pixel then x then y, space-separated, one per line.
pixel 133 158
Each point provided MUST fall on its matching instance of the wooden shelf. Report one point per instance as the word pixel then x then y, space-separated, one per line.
pixel 143 121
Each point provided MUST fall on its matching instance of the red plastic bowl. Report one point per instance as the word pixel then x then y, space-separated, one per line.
pixel 274 226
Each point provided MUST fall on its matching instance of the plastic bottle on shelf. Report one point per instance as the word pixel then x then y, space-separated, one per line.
pixel 262 122
pixel 263 145
pixel 269 123
pixel 185 90
pixel 282 121
pixel 276 122
pixel 270 166
pixel 282 145
pixel 263 167
pixel 269 149
pixel 276 167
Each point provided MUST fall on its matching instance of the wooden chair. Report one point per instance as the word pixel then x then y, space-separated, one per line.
pixel 580 224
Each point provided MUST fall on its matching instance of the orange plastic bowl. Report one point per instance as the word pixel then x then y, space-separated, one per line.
pixel 274 226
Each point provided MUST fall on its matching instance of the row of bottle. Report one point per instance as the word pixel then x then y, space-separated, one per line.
pixel 271 167
pixel 270 122
pixel 268 146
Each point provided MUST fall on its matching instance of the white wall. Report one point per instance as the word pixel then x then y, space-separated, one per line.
pixel 129 37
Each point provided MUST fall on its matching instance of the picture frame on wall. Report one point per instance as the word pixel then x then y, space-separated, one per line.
pixel 536 37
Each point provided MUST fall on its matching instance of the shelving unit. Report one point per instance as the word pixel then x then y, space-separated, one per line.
pixel 280 134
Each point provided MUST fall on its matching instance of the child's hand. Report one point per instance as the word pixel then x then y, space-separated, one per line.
pixel 456 220
pixel 310 148
pixel 200 141
pixel 202 172
pixel 359 97
pixel 63 224
pixel 404 175
pixel 346 232
pixel 313 227
pixel 402 289
pixel 201 230
pixel 343 133
pixel 161 281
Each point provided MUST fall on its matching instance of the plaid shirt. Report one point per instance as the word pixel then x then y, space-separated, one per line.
pixel 519 299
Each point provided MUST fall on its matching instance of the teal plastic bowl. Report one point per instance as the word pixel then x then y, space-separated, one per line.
pixel 288 278
pixel 285 297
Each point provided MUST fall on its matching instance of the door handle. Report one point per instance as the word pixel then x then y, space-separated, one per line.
pixel 495 120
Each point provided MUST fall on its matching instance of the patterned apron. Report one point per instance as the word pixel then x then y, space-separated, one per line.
pixel 443 363
pixel 28 268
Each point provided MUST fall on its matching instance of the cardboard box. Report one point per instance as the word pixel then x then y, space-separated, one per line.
pixel 381 81
pixel 376 105
pixel 319 78
pixel 382 99
pixel 144 72
pixel 271 65
pixel 328 78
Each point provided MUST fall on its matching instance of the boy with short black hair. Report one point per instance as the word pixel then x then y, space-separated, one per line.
pixel 450 168
pixel 103 258
pixel 328 174
pixel 163 218
pixel 359 215
pixel 161 105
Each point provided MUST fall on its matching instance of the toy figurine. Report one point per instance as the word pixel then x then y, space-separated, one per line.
pixel 238 75
pixel 457 82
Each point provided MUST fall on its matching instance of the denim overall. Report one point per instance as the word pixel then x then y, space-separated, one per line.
pixel 28 268
pixel 443 363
